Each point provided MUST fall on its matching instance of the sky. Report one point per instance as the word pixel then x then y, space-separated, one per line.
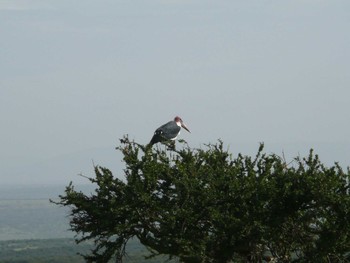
pixel 76 76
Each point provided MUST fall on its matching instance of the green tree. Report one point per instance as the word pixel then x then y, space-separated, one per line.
pixel 203 205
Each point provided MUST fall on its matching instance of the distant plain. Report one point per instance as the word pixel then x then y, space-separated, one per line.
pixel 34 230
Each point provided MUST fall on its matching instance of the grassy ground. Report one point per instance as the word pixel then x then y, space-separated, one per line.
pixel 60 251
pixel 37 231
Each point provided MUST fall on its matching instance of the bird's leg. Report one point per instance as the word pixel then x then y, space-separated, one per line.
pixel 171 145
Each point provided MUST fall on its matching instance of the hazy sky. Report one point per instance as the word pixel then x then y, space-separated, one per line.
pixel 77 75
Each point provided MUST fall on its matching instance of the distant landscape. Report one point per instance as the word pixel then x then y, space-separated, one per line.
pixel 61 250
pixel 34 230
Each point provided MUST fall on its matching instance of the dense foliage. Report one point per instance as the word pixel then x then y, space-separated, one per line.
pixel 203 205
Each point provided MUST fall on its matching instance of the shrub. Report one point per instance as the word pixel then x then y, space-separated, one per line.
pixel 203 205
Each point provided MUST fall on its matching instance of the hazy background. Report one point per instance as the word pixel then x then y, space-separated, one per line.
pixel 75 76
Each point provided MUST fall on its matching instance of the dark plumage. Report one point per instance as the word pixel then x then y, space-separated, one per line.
pixel 168 131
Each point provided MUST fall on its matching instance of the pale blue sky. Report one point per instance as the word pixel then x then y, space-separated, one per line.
pixel 77 75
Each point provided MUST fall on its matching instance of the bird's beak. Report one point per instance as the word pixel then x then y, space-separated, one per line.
pixel 185 127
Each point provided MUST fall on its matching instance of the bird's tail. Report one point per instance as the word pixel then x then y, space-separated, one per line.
pixel 154 140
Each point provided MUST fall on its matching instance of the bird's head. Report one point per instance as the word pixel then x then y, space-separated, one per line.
pixel 179 122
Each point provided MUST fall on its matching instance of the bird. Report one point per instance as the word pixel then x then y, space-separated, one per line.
pixel 169 131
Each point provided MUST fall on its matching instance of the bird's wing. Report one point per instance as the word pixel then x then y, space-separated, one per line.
pixel 169 130
pixel 157 137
